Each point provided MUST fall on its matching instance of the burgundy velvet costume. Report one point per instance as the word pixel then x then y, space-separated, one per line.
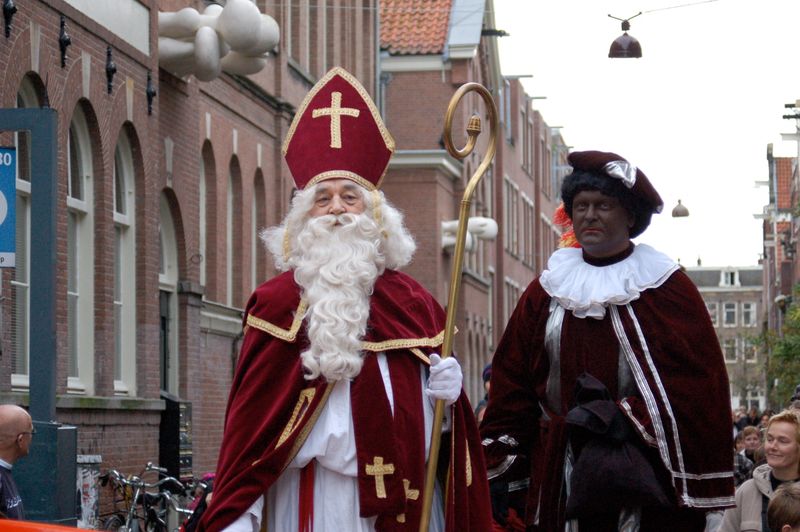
pixel 272 408
pixel 681 373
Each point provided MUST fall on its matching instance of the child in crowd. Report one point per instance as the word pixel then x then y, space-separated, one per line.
pixel 783 512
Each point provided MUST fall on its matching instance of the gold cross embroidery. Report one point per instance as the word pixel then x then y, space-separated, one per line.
pixel 378 469
pixel 410 494
pixel 335 111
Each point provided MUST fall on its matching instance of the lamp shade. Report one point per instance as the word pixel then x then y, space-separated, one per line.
pixel 680 210
pixel 625 46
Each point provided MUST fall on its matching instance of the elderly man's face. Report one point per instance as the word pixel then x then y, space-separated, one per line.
pixel 602 225
pixel 337 196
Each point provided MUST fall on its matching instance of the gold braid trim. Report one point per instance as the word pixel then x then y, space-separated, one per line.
pixel 286 237
pixel 408 343
pixel 420 355
pixel 341 174
pixel 278 332
pixel 301 438
pixel 306 397
pixel 469 464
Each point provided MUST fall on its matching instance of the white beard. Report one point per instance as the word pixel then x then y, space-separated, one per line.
pixel 337 268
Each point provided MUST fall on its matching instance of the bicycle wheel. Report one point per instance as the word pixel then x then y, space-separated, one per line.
pixel 113 522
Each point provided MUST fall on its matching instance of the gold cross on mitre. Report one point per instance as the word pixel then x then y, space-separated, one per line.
pixel 378 469
pixel 410 494
pixel 335 111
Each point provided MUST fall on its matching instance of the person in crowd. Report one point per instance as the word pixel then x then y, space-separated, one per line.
pixel 481 408
pixel 764 420
pixel 330 413
pixel 742 466
pixel 597 380
pixel 751 439
pixel 782 450
pixel 783 512
pixel 16 433
pixel 740 419
pixel 753 417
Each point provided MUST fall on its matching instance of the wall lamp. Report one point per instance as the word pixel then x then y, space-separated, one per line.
pixel 111 69
pixel 493 32
pixel 8 13
pixel 150 91
pixel 625 45
pixel 64 41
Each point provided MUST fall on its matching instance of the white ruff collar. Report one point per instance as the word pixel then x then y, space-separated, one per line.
pixel 587 290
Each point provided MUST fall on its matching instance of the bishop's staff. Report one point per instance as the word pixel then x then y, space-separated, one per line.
pixel 473 130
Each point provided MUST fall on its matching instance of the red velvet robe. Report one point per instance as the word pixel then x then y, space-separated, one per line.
pixel 272 409
pixel 683 370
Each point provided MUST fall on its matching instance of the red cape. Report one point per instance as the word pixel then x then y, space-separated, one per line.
pixel 272 408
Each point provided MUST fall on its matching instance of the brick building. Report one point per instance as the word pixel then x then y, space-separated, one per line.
pixel 165 182
pixel 779 237
pixel 519 190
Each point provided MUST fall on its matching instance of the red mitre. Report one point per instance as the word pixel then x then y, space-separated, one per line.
pixel 338 133
pixel 617 167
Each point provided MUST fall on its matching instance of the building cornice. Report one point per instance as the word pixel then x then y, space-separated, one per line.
pixel 414 63
pixel 436 159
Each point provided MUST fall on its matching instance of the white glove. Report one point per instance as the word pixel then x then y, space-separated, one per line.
pixel 445 379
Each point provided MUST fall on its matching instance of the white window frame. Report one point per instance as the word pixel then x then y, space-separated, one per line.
pixel 168 282
pixel 713 312
pixel 80 211
pixel 124 271
pixel 752 307
pixel 229 241
pixel 203 209
pixel 725 306
pixel 749 352
pixel 733 343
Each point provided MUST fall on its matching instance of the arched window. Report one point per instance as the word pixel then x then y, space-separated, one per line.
pixel 27 97
pixel 80 257
pixel 207 218
pixel 124 269
pixel 258 219
pixel 234 236
pixel 168 298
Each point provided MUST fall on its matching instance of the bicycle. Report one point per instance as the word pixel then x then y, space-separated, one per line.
pixel 135 508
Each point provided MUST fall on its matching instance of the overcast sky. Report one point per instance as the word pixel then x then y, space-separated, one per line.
pixel 695 113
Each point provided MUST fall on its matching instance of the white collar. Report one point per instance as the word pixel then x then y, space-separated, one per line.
pixel 587 290
pixel 5 464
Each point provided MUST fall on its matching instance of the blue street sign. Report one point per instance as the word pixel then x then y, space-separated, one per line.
pixel 8 202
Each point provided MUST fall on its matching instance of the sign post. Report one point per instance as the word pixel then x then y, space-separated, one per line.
pixel 47 477
pixel 8 200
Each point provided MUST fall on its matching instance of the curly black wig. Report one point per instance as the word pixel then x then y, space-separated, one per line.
pixel 580 180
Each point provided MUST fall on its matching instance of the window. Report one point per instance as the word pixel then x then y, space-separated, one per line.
pixel 749 318
pixel 713 307
pixel 729 278
pixel 729 314
pixel 168 299
pixel 258 255
pixel 729 349
pixel 124 270
pixel 528 231
pixel 234 236
pixel 511 295
pixel 749 351
pixel 511 216
pixel 208 223
pixel 80 258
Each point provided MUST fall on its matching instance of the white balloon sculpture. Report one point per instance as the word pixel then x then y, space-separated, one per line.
pixel 234 39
